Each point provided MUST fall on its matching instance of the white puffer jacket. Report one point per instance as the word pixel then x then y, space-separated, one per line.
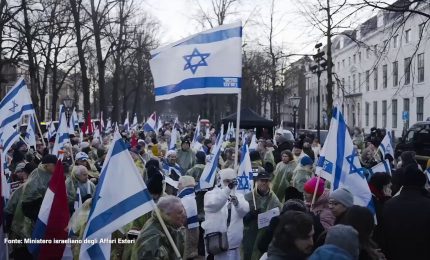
pixel 216 213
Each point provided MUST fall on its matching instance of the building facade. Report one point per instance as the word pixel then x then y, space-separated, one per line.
pixel 381 74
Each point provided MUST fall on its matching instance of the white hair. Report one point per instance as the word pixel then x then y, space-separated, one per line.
pixel 168 204
pixel 80 169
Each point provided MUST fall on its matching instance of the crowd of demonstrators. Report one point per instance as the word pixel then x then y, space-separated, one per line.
pixel 221 223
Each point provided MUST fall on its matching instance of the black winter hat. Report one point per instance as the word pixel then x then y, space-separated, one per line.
pixel 413 177
pixel 254 156
pixel 201 157
pixel 49 158
pixel 155 184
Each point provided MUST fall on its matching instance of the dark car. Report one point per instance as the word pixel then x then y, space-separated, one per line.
pixel 416 139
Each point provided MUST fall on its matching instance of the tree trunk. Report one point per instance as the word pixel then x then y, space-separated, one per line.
pixel 329 65
pixel 81 55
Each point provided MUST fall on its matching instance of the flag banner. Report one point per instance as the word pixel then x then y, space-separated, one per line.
pixel 30 135
pixel 53 218
pixel 245 176
pixel 197 133
pixel 15 104
pixel 151 123
pixel 253 145
pixel 386 146
pixel 135 124
pixel 383 166
pixel 52 131
pixel 209 62
pixel 207 179
pixel 62 136
pixel 339 162
pixel 126 126
pixel 114 206
pixel 73 122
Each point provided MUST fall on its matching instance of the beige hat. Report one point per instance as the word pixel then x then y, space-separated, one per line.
pixel 227 174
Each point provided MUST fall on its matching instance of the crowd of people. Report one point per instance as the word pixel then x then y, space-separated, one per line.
pixel 221 223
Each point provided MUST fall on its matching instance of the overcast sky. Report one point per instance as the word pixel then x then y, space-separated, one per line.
pixel 293 31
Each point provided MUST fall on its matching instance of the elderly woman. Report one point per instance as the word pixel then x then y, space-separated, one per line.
pixel 78 179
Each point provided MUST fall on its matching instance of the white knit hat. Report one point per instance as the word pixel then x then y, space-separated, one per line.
pixel 227 174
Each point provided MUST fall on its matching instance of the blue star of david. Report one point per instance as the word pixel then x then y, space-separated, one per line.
pixel 243 182
pixel 14 105
pixel 352 167
pixel 193 66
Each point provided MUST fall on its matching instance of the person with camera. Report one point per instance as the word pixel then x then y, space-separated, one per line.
pixel 224 212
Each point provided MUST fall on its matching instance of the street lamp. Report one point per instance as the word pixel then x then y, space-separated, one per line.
pixel 295 102
pixel 318 68
pixel 68 104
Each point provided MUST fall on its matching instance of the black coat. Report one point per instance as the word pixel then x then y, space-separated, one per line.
pixel 406 225
pixel 282 147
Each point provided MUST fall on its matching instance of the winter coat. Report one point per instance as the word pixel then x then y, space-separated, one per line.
pixel 329 251
pixel 281 147
pixel 196 171
pixel 282 179
pixel 268 157
pixel 275 253
pixel 300 176
pixel 252 234
pixel 216 212
pixel 320 209
pixel 72 184
pixel 406 225
pixel 153 244
pixel 188 199
pixel 186 159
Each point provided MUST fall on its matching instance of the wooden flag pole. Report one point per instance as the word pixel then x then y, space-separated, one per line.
pixel 166 231
pixel 236 149
pixel 315 192
pixel 40 130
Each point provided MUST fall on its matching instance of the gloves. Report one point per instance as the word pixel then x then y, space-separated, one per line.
pixel 234 200
pixel 233 184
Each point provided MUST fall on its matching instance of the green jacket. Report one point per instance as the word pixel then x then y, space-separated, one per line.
pixel 72 185
pixel 186 159
pixel 196 171
pixel 300 176
pixel 251 233
pixel 268 157
pixel 20 226
pixel 36 185
pixel 282 179
pixel 153 244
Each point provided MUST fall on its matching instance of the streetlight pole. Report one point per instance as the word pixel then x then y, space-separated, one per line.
pixel 318 68
pixel 68 103
pixel 295 102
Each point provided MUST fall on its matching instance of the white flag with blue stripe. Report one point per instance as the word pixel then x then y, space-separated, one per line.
pixel 245 176
pixel 207 179
pixel 253 145
pixel 30 135
pixel 62 136
pixel 126 125
pixel 339 162
pixel 51 130
pixel 121 196
pixel 386 146
pixel 15 104
pixel 151 123
pixel 73 122
pixel 135 124
pixel 383 166
pixel 209 62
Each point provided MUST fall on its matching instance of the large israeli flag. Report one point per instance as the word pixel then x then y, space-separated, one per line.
pixel 62 136
pixel 207 179
pixel 15 104
pixel 339 162
pixel 121 196
pixel 245 177
pixel 209 62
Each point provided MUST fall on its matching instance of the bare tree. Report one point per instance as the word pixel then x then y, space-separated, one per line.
pixel 401 6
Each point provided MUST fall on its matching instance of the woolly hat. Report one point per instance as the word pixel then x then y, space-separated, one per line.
pixel 49 158
pixel 227 174
pixel 311 184
pixel 306 160
pixel 345 237
pixel 187 181
pixel 329 252
pixel 201 157
pixel 81 156
pixel 294 204
pixel 343 196
pixel 292 193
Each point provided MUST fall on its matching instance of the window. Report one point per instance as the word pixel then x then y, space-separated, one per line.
pixel 407 71
pixel 420 67
pixel 395 74
pixel 367 113
pixel 406 109
pixel 338 64
pixel 375 49
pixel 384 113
pixel 359 82
pixel 375 113
pixel 420 108
pixel 421 29
pixel 408 36
pixel 353 83
pixel 343 63
pixel 359 56
pixel 384 76
pixel 349 61
pixel 394 113
pixel 349 84
pixel 375 78
pixel 367 80
pixel 358 114
pixel 395 39
pixel 354 59
pixel 367 53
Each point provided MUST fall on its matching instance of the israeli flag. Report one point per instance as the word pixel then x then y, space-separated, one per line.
pixel 173 139
pixel 126 125
pixel 207 179
pixel 135 124
pixel 386 146
pixel 383 166
pixel 151 123
pixel 62 136
pixel 245 177
pixel 209 62
pixel 15 104
pixel 108 128
pixel 51 130
pixel 73 122
pixel 30 135
pixel 78 200
pixel 253 145
pixel 197 131
pixel 121 196
pixel 339 162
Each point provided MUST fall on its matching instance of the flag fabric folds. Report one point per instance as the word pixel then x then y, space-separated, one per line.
pixel 151 123
pixel 15 104
pixel 114 206
pixel 209 62
pixel 126 125
pixel 135 124
pixel 386 146
pixel 30 136
pixel 53 218
pixel 383 166
pixel 245 176
pixel 339 162
pixel 62 136
pixel 73 122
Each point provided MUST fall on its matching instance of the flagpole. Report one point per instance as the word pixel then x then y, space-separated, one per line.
pixel 315 191
pixel 166 231
pixel 236 149
pixel 40 130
